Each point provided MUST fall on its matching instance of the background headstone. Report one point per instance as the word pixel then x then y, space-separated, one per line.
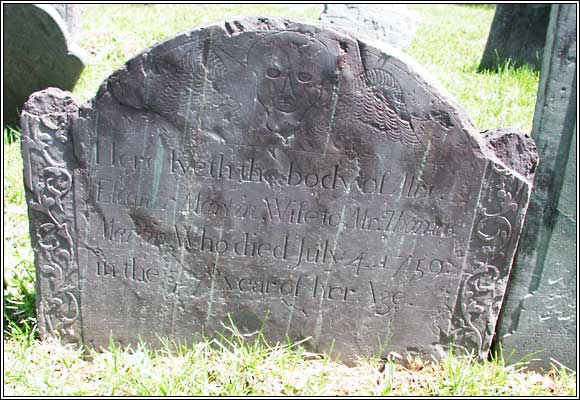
pixel 72 15
pixel 293 178
pixel 540 308
pixel 518 34
pixel 394 24
pixel 38 53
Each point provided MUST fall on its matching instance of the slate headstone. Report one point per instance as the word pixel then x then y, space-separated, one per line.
pixel 394 24
pixel 539 316
pixel 517 34
pixel 38 53
pixel 285 176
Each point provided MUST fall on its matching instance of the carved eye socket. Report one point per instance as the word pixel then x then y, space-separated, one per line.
pixel 273 73
pixel 304 77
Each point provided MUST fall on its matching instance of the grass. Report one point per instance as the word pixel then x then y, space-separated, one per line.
pixel 19 279
pixel 452 42
pixel 232 366
pixel 448 44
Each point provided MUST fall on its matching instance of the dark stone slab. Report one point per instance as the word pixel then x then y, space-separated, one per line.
pixel 281 174
pixel 38 53
pixel 390 23
pixel 541 304
pixel 517 34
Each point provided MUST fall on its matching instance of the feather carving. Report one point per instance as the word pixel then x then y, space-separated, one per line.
pixel 376 99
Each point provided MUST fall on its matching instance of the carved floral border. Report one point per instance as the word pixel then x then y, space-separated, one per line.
pixel 48 175
pixel 497 226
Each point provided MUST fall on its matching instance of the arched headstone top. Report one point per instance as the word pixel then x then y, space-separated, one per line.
pixel 285 83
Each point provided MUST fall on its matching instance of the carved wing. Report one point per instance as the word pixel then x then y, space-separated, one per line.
pixel 181 87
pixel 175 86
pixel 378 102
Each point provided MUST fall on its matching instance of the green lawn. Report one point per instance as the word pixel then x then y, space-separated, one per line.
pixel 449 43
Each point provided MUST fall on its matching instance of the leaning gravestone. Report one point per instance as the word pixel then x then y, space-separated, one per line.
pixel 539 315
pixel 38 53
pixel 517 35
pixel 281 175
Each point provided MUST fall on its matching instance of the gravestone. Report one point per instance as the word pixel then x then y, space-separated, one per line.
pixel 394 24
pixel 540 309
pixel 517 34
pixel 38 53
pixel 280 176
pixel 72 15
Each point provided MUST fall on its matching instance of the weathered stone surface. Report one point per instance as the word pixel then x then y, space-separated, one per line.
pixel 391 23
pixel 540 309
pixel 518 34
pixel 285 174
pixel 38 53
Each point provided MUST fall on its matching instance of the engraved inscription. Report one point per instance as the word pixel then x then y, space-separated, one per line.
pixel 313 287
pixel 292 250
pixel 301 173
pixel 129 270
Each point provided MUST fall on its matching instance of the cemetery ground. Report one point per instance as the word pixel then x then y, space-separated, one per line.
pixel 449 44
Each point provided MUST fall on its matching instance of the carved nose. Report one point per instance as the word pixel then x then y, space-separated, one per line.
pixel 287 87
